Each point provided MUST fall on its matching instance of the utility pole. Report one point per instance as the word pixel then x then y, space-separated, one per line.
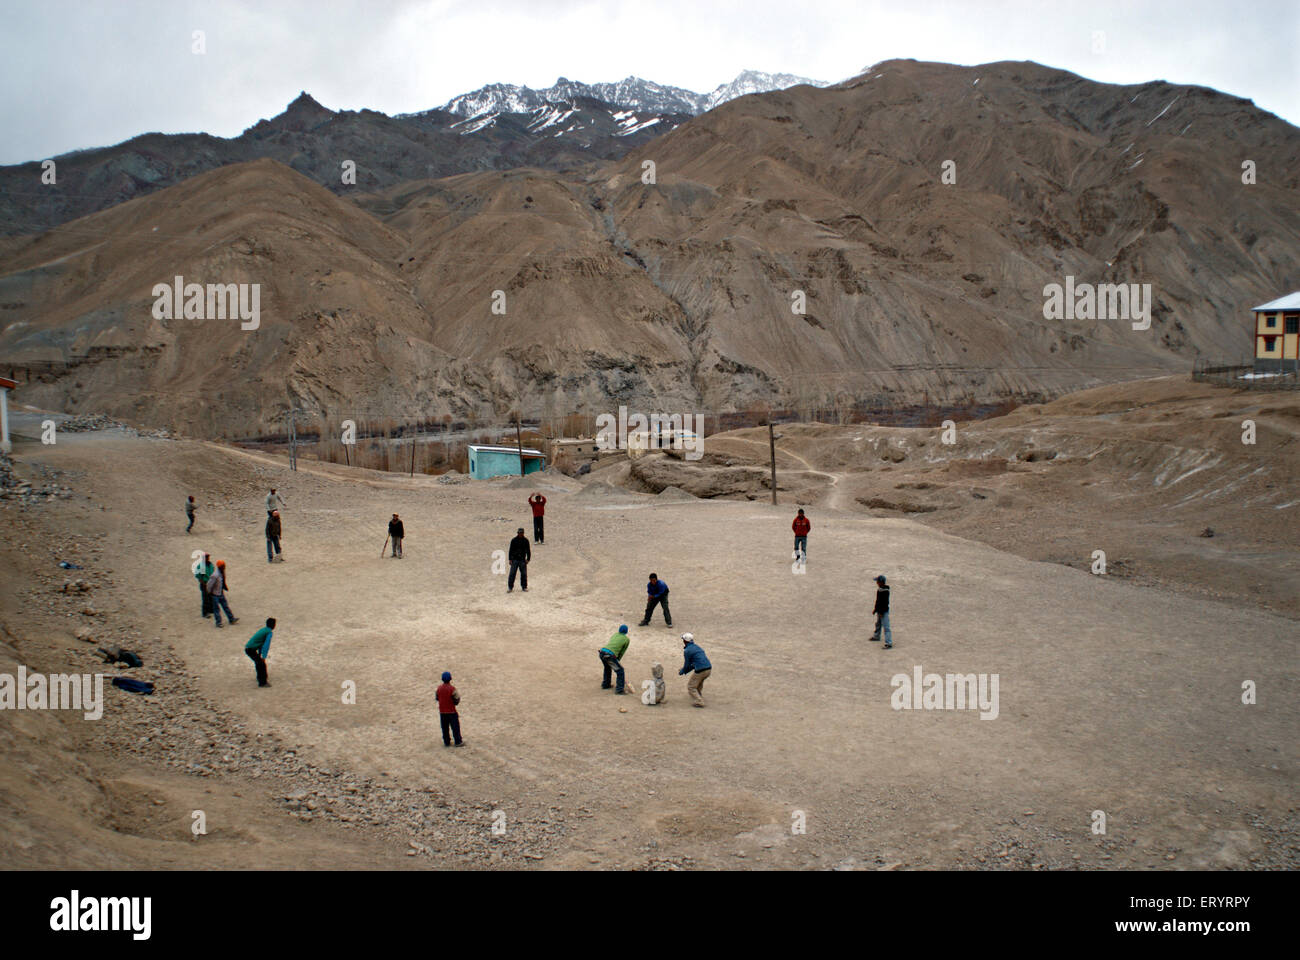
pixel 519 438
pixel 771 441
pixel 293 441
pixel 412 454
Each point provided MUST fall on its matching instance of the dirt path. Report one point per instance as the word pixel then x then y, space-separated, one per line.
pixel 835 497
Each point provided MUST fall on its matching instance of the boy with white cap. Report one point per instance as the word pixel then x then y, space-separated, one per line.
pixel 698 665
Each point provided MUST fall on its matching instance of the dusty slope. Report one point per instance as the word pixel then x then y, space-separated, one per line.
pixel 337 320
pixel 1139 470
pixel 915 288
pixel 1110 697
pixel 915 285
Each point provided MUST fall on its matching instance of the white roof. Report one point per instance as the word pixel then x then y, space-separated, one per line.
pixel 1290 302
pixel 527 451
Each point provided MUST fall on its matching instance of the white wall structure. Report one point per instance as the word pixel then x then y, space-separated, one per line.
pixel 5 386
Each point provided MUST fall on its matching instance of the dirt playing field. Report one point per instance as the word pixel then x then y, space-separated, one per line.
pixel 1113 696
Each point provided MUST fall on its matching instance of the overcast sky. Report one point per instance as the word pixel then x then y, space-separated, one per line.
pixel 85 73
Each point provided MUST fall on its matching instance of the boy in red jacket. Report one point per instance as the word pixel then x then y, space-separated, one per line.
pixel 538 503
pixel 447 700
pixel 801 526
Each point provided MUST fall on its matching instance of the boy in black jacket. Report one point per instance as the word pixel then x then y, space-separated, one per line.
pixel 881 610
pixel 520 554
pixel 273 536
pixel 396 532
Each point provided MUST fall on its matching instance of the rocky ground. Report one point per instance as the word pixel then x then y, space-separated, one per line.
pixel 1112 698
pixel 179 729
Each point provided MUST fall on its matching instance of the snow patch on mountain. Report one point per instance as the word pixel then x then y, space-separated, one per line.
pixel 628 131
pixel 474 124
pixel 548 116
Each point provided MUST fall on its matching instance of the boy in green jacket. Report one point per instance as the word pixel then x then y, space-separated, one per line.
pixel 202 570
pixel 258 649
pixel 610 655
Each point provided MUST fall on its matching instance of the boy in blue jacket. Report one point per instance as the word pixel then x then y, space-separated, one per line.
pixel 695 661
pixel 657 593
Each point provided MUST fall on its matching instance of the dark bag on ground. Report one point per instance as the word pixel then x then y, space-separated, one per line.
pixel 133 686
pixel 121 656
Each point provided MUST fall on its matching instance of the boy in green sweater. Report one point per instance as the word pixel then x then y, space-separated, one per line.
pixel 610 655
pixel 258 648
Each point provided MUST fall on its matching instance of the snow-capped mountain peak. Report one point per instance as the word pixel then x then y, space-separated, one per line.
pixel 632 93
pixel 755 81
pixel 494 98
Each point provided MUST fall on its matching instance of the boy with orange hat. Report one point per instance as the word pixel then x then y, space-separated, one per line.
pixel 217 588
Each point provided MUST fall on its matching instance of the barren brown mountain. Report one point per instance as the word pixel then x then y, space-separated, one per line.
pixel 678 293
pixel 315 141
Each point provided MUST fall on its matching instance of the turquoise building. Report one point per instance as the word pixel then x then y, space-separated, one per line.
pixel 487 461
